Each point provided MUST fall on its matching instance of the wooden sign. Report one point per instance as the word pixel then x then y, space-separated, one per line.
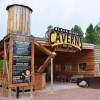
pixel 21 61
pixel 59 36
pixel 21 70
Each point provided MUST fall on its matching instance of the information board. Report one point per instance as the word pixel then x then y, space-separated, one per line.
pixel 21 69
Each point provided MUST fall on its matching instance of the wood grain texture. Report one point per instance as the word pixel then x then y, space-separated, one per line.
pixel 19 20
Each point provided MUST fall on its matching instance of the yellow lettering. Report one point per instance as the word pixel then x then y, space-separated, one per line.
pixel 59 38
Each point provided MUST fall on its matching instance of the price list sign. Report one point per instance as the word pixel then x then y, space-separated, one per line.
pixel 21 69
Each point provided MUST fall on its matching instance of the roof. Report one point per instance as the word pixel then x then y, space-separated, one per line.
pixel 7 8
pixel 87 46
pixel 41 40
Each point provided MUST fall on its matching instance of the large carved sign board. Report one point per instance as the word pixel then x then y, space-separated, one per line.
pixel 21 70
pixel 22 64
pixel 65 40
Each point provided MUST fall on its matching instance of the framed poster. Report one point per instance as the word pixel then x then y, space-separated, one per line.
pixel 21 70
pixel 21 60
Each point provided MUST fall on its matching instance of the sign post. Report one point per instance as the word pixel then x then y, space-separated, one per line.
pixel 51 75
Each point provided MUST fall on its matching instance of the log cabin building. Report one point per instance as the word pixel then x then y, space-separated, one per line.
pixel 84 62
pixel 69 59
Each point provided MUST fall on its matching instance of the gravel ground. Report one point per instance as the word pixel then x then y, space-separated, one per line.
pixel 70 94
pixel 67 94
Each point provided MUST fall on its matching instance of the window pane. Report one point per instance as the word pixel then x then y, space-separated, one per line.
pixel 82 66
pixel 68 67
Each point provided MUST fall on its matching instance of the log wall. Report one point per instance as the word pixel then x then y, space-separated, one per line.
pixel 97 60
pixel 85 56
pixel 40 81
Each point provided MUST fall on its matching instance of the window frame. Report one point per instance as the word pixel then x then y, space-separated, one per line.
pixel 82 64
pixel 57 67
pixel 68 69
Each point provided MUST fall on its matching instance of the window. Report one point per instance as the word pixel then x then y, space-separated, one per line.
pixel 58 67
pixel 82 67
pixel 68 67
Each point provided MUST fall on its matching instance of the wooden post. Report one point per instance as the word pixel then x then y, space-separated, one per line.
pixel 3 79
pixel 31 92
pixel 17 92
pixel 22 89
pixel 9 94
pixel 3 88
pixel 51 75
pixel 5 69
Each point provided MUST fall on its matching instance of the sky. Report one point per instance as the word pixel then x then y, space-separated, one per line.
pixel 58 13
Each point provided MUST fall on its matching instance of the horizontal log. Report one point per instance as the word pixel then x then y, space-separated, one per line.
pixel 47 61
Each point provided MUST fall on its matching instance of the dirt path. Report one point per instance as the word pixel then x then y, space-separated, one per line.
pixel 67 94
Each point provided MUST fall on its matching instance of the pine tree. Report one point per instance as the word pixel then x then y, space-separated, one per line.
pixel 97 33
pixel 90 34
pixel 49 28
pixel 77 29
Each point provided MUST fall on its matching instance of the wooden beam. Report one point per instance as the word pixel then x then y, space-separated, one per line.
pixel 42 48
pixel 51 75
pixel 48 52
pixel 41 68
pixel 5 70
pixel 47 61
